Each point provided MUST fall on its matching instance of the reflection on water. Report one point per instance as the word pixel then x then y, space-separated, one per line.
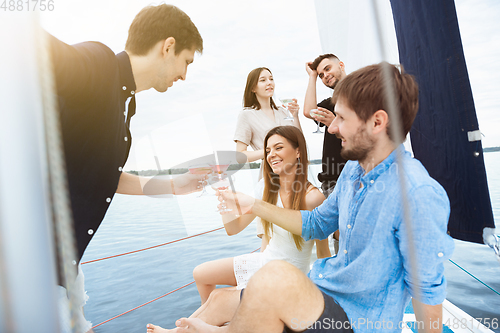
pixel 120 284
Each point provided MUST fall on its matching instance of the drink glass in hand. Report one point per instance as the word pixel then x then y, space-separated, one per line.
pixel 287 101
pixel 219 169
pixel 314 112
pixel 221 184
pixel 201 169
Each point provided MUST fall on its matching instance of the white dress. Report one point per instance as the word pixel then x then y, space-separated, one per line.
pixel 281 247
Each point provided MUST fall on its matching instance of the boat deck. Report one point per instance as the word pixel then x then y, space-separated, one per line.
pixel 454 320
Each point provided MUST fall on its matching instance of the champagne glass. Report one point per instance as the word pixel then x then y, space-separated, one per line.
pixel 286 101
pixel 221 184
pixel 219 169
pixel 201 169
pixel 314 111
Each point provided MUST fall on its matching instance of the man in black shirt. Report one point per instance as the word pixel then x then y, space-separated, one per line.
pixel 330 70
pixel 96 95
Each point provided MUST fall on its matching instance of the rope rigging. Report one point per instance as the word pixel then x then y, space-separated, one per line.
pixel 454 263
pixel 144 249
pixel 151 247
pixel 140 306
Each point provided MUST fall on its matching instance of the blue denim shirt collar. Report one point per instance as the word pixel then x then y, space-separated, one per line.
pixel 370 178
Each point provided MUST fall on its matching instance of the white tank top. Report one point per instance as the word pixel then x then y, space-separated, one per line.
pixel 282 245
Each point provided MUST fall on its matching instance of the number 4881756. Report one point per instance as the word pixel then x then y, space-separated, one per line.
pixel 27 5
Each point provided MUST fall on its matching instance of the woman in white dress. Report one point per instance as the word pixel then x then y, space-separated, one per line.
pixel 260 114
pixel 284 184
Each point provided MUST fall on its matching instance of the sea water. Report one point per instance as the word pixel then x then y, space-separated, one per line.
pixel 119 284
pixel 463 290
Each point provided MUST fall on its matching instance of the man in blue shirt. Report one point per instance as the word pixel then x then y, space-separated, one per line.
pixel 367 286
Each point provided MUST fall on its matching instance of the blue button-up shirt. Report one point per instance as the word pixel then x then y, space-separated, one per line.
pixel 371 275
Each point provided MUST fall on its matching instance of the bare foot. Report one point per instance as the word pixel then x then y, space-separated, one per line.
pixel 195 325
pixel 157 329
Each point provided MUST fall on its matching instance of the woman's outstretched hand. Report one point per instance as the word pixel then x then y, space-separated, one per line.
pixel 239 203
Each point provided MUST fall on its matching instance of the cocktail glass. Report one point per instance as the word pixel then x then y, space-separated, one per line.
pixel 318 130
pixel 221 184
pixel 201 169
pixel 219 169
pixel 286 101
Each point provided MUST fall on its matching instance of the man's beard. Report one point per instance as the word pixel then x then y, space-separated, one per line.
pixel 361 146
pixel 338 76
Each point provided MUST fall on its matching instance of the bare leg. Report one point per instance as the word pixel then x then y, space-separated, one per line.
pixel 196 325
pixel 217 310
pixel 278 294
pixel 212 273
pixel 220 306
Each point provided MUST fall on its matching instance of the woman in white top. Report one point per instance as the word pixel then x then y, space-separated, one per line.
pixel 260 114
pixel 285 184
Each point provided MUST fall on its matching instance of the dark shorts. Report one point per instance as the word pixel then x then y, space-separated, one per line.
pixel 333 319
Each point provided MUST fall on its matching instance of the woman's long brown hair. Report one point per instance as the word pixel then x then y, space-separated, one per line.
pixel 300 184
pixel 249 97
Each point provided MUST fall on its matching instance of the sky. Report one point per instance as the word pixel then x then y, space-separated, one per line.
pixel 198 116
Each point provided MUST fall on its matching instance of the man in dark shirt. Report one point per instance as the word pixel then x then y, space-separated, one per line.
pixel 330 70
pixel 96 96
pixel 96 93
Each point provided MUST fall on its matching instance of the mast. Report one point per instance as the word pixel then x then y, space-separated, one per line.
pixel 27 267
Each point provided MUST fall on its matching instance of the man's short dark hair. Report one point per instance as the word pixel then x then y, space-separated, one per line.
pixel 363 92
pixel 155 23
pixel 314 65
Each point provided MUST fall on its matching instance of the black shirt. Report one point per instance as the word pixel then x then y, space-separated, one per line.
pixel 93 85
pixel 332 162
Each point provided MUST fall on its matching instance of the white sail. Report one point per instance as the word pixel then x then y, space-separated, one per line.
pixel 347 29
